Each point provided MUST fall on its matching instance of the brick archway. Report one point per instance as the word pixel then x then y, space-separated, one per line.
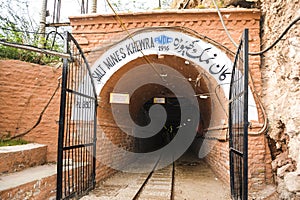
pixel 211 62
pixel 99 36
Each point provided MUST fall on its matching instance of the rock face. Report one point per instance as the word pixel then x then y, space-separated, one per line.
pixel 281 93
pixel 185 4
pixel 188 4
pixel 292 182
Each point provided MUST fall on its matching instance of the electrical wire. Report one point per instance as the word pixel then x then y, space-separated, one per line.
pixel 266 49
pixel 223 24
pixel 278 39
pixel 263 110
pixel 131 37
pixel 40 116
pixel 33 48
pixel 20 31
pixel 56 33
pixel 265 124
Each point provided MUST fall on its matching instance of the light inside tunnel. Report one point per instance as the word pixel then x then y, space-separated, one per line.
pixel 211 112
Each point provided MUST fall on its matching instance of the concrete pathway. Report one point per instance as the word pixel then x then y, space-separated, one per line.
pixel 194 180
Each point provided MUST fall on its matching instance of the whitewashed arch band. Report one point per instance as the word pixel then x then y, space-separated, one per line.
pixel 168 42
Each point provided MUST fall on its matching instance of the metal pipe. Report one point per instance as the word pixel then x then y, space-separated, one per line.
pixel 94 6
pixel 35 49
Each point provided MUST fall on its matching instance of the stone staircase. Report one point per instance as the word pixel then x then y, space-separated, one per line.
pixel 24 173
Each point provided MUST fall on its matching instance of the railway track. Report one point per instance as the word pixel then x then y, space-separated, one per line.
pixel 194 180
pixel 159 185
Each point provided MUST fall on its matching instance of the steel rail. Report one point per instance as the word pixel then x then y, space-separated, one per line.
pixel 145 182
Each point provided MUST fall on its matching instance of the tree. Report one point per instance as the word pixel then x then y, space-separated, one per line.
pixel 16 26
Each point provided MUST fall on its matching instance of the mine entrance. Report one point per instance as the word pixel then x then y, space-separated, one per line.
pixel 197 107
pixel 149 95
pixel 171 126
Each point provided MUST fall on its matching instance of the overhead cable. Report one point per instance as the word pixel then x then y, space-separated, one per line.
pixel 131 37
pixel 278 39
pixel 266 49
pixel 35 49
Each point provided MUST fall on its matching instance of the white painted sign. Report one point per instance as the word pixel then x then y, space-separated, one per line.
pixel 119 98
pixel 159 100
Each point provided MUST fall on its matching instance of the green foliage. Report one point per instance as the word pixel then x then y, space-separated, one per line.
pixel 4 143
pixel 7 52
pixel 220 4
pixel 20 29
pixel 201 6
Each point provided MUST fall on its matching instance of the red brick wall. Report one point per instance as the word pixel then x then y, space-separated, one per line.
pixel 219 159
pixel 25 89
pixel 259 166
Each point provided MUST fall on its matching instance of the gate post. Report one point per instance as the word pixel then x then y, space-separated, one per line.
pixel 76 154
pixel 61 124
pixel 238 122
pixel 246 123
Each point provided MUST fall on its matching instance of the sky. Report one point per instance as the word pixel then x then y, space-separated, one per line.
pixel 72 7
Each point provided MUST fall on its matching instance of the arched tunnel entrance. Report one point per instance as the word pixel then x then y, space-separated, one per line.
pixel 209 109
pixel 151 94
pixel 204 63
pixel 209 106
pixel 163 93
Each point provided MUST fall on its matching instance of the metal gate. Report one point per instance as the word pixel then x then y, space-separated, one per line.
pixel 77 126
pixel 238 122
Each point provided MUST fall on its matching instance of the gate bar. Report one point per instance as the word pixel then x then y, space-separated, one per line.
pixel 246 123
pixel 61 129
